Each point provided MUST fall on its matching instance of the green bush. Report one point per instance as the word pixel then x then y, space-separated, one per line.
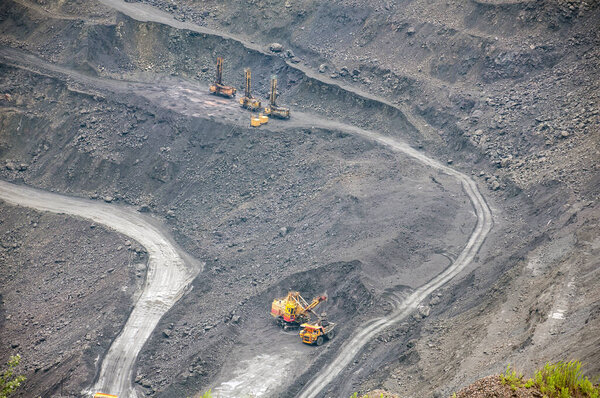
pixel 8 382
pixel 564 379
pixel 512 378
pixel 559 380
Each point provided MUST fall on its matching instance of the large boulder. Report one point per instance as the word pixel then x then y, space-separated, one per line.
pixel 276 47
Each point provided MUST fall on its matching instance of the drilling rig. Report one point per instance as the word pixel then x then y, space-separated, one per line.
pixel 248 101
pixel 218 88
pixel 272 109
pixel 292 311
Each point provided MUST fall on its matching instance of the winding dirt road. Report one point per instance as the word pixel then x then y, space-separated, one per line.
pixel 192 100
pixel 167 282
pixel 368 331
pixel 170 272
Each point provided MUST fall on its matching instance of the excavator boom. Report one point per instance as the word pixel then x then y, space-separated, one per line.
pixel 293 310
pixel 316 301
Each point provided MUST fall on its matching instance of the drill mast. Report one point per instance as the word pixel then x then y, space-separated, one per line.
pixel 219 71
pixel 273 95
pixel 247 91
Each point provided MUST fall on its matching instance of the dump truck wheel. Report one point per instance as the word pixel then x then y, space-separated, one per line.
pixel 320 340
pixel 330 335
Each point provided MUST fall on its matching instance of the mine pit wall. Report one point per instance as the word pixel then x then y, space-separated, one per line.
pixel 136 47
pixel 137 58
pixel 70 149
pixel 162 49
pixel 70 153
pixel 108 49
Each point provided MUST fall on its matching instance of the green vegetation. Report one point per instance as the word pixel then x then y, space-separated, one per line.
pixel 559 380
pixel 8 382
pixel 512 379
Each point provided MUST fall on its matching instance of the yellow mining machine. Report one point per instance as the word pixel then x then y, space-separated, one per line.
pixel 273 109
pixel 248 101
pixel 317 333
pixel 292 311
pixel 218 88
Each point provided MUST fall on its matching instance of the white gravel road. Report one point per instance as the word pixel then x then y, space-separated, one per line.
pixel 170 272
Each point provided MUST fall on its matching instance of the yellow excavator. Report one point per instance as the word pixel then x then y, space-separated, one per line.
pixel 293 310
pixel 218 88
pixel 273 109
pixel 248 101
pixel 317 333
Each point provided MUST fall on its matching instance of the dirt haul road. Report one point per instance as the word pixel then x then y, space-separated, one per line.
pixel 170 272
pixel 164 97
pixel 374 327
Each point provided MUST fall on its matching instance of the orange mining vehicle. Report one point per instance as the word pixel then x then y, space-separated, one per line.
pixel 318 333
pixel 248 101
pixel 218 88
pixel 292 311
pixel 273 109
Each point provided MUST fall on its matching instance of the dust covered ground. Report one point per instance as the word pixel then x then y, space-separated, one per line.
pixel 104 106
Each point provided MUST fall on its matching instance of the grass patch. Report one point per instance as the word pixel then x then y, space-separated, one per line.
pixel 558 380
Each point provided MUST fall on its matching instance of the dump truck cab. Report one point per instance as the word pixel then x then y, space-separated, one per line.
pixel 317 334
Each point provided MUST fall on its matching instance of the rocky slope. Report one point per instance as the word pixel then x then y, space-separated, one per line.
pixel 60 306
pixel 491 87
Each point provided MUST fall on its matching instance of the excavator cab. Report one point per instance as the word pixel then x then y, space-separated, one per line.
pixel 293 310
pixel 290 311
